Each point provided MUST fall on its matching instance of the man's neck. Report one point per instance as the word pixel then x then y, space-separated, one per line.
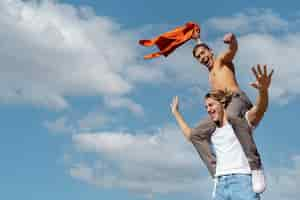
pixel 212 65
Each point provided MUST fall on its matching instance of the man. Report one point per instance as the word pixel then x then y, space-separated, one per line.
pixel 236 160
pixel 222 73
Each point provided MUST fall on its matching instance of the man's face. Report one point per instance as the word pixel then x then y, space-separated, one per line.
pixel 214 109
pixel 204 56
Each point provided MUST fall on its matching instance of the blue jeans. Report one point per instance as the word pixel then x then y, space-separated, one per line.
pixel 235 187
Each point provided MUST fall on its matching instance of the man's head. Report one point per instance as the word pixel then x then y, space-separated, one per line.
pixel 204 54
pixel 216 101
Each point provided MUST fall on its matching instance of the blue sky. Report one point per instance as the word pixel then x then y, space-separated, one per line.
pixel 85 117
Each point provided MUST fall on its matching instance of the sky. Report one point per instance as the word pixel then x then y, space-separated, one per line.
pixel 84 116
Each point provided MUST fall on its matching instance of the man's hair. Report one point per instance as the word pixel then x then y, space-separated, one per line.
pixel 224 97
pixel 200 45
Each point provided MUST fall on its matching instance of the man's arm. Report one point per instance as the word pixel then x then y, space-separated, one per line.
pixel 180 120
pixel 262 83
pixel 228 55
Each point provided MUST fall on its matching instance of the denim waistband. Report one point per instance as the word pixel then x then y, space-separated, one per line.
pixel 227 176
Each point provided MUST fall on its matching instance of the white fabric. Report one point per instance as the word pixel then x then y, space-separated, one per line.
pixel 231 158
pixel 249 123
pixel 258 181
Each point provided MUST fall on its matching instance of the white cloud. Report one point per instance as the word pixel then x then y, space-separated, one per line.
pixel 70 125
pixel 82 172
pixel 115 102
pixel 60 125
pixel 258 20
pixel 92 121
pixel 160 163
pixel 283 182
pixel 280 53
pixel 50 51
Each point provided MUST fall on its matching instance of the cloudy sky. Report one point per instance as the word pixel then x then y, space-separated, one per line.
pixel 83 116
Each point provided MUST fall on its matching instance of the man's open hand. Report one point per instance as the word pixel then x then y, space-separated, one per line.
pixel 263 79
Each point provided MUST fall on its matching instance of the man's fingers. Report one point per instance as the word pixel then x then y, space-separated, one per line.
pixel 271 74
pixel 259 69
pixel 228 37
pixel 265 70
pixel 255 72
pixel 176 99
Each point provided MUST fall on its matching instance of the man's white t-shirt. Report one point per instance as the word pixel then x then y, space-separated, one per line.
pixel 231 158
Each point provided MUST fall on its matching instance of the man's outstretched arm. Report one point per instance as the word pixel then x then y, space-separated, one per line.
pixel 228 55
pixel 180 120
pixel 262 84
